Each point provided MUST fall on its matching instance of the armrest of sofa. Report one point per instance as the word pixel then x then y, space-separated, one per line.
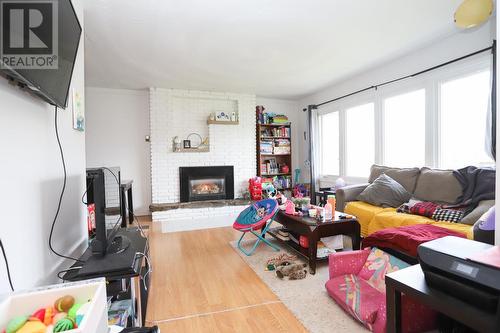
pixel 348 193
pixel 349 262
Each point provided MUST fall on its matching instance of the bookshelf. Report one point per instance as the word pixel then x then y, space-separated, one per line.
pixel 274 151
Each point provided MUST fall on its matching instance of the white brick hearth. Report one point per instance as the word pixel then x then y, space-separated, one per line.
pixel 176 112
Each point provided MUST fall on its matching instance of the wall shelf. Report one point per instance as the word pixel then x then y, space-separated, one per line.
pixel 216 122
pixel 193 150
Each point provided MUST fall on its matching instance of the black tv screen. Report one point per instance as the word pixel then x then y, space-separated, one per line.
pixel 39 44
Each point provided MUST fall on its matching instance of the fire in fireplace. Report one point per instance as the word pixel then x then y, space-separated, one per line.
pixel 206 183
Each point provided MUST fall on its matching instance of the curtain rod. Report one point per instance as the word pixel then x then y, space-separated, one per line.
pixel 492 48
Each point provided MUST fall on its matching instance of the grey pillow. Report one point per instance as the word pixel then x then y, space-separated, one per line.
pixel 407 177
pixel 476 214
pixel 439 186
pixel 385 192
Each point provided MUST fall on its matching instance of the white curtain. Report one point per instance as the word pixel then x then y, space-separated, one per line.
pixel 315 147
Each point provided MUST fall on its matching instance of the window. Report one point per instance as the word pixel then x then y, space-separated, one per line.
pixel 464 107
pixel 360 139
pixel 329 137
pixel 404 130
pixel 437 120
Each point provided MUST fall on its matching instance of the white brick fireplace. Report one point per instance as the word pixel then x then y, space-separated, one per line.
pixel 176 112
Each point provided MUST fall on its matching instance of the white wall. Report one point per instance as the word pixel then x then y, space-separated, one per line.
pixel 289 108
pixel 176 112
pixel 117 123
pixel 452 47
pixel 32 178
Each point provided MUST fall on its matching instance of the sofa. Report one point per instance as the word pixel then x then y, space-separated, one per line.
pixel 357 285
pixel 425 184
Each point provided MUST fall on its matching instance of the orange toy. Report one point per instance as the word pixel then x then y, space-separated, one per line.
pixel 49 313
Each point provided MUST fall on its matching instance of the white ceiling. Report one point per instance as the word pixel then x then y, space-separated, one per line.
pixel 274 48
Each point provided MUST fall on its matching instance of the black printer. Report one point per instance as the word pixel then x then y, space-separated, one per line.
pixel 446 268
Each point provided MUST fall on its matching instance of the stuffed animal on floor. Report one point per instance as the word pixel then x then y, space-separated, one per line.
pixel 293 271
pixel 283 259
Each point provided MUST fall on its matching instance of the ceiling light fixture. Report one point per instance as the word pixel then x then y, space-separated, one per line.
pixel 472 13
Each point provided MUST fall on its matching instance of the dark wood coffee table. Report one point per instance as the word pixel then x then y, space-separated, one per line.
pixel 314 230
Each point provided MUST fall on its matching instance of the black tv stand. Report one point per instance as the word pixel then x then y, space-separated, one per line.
pixel 128 266
pixel 118 245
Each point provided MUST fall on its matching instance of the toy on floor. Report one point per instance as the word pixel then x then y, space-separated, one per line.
pixel 280 260
pixel 64 315
pixel 293 271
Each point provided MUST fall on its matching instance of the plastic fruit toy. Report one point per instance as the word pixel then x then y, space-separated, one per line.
pixel 34 326
pixel 72 312
pixel 15 324
pixel 59 316
pixel 64 303
pixel 64 324
pixel 49 312
pixel 39 314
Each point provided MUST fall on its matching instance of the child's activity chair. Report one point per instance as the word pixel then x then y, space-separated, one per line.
pixel 256 219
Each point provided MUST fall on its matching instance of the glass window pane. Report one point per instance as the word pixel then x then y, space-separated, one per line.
pixel 404 130
pixel 464 107
pixel 330 138
pixel 360 140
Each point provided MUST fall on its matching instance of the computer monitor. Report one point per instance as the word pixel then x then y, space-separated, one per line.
pixel 103 190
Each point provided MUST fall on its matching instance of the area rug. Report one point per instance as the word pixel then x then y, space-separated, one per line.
pixel 307 299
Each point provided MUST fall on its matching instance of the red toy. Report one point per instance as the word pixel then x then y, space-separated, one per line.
pixel 255 188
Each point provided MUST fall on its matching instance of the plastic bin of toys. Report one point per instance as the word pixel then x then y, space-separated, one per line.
pixel 26 311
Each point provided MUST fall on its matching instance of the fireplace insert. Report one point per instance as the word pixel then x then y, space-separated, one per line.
pixel 206 183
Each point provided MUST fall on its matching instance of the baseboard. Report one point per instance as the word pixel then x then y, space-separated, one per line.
pixel 198 224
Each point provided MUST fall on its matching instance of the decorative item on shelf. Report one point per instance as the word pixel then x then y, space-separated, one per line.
pixel 186 144
pixel 205 143
pixel 176 143
pixel 195 140
pixel 233 116
pixel 222 116
pixel 280 119
pixel 285 168
pixel 212 116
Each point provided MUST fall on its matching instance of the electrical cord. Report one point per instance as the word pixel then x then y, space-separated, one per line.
pixel 6 265
pixel 84 193
pixel 62 192
pixel 150 269
pixel 68 270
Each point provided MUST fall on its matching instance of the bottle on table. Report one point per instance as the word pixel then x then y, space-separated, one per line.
pixel 328 211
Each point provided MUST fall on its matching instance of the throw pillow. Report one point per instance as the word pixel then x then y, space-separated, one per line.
pixel 377 265
pixel 385 192
pixel 448 215
pixel 424 208
pixel 406 207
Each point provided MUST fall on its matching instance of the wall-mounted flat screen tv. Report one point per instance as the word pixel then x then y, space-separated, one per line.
pixel 39 43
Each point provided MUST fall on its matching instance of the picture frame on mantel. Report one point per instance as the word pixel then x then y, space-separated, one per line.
pixel 186 144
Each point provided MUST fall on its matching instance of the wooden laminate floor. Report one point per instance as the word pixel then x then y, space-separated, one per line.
pixel 200 284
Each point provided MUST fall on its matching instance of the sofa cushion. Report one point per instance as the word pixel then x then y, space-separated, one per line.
pixel 385 192
pixel 407 177
pixel 476 214
pixel 364 212
pixel 438 186
pixel 392 219
pixel 356 297
pixel 377 265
